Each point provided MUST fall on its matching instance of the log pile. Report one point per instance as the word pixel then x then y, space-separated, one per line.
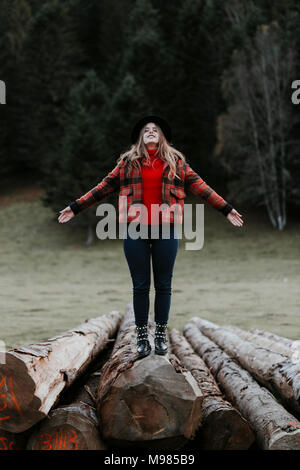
pixel 223 426
pixel 274 370
pixel 218 388
pixel 33 378
pixel 273 425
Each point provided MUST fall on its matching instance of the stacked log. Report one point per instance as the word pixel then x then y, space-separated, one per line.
pixel 273 370
pixel 274 426
pixel 293 344
pixel 223 427
pixel 70 427
pixel 32 378
pixel 267 343
pixel 151 402
pixel 74 424
pixel 85 390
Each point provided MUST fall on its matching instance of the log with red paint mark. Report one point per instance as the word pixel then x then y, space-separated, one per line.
pixel 32 378
pixel 70 427
pixel 13 441
pixel 74 424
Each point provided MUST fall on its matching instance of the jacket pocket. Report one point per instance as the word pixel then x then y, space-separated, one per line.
pixel 177 192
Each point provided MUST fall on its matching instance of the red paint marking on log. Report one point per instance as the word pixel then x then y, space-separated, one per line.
pixel 59 444
pixel 3 395
pixel 60 439
pixel 73 439
pixel 8 446
pixel 5 404
pixel 47 442
pixel 295 423
pixel 65 440
pixel 6 417
pixel 3 441
pixel 56 439
pixel 11 446
pixel 14 398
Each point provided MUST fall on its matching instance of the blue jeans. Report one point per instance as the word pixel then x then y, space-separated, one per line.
pixel 138 254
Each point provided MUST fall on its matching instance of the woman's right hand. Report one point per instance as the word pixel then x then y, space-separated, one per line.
pixel 66 215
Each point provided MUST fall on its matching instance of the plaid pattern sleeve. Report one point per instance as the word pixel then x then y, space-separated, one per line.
pixel 198 187
pixel 108 185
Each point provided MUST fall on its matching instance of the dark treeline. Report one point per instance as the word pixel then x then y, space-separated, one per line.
pixel 78 74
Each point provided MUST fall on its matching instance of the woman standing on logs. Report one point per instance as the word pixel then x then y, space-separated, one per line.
pixel 153 174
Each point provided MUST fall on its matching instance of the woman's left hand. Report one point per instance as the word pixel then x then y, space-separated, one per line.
pixel 235 218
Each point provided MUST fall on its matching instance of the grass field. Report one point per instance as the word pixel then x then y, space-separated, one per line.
pixel 51 281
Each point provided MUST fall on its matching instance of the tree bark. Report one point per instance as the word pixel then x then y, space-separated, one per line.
pixel 273 370
pixel 293 344
pixel 151 402
pixel 275 427
pixel 223 427
pixel 33 377
pixel 266 343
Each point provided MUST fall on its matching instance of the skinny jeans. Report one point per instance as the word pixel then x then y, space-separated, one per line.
pixel 138 253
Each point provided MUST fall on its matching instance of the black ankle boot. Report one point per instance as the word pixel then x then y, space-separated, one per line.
pixel 143 345
pixel 160 339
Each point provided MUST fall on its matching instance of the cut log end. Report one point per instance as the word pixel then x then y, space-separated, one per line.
pixel 19 407
pixel 223 427
pixel 225 430
pixel 151 402
pixel 67 428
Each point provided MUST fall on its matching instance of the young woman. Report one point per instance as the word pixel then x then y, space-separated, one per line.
pixel 152 173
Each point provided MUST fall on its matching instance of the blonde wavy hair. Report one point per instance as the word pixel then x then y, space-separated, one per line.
pixel 138 152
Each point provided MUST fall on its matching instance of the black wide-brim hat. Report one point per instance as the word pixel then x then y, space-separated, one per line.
pixel 162 123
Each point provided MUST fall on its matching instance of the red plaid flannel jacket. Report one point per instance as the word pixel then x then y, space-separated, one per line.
pixel 130 192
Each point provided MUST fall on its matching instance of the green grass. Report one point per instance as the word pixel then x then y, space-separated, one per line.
pixel 51 281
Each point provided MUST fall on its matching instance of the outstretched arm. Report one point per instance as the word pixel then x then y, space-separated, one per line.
pixel 108 185
pixel 197 186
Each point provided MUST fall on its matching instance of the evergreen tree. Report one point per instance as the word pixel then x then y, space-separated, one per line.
pixel 92 142
pixel 84 151
pixel 51 65
pixel 144 56
pixel 198 57
pixel 14 20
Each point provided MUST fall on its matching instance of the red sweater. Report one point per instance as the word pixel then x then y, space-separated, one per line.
pixel 152 184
